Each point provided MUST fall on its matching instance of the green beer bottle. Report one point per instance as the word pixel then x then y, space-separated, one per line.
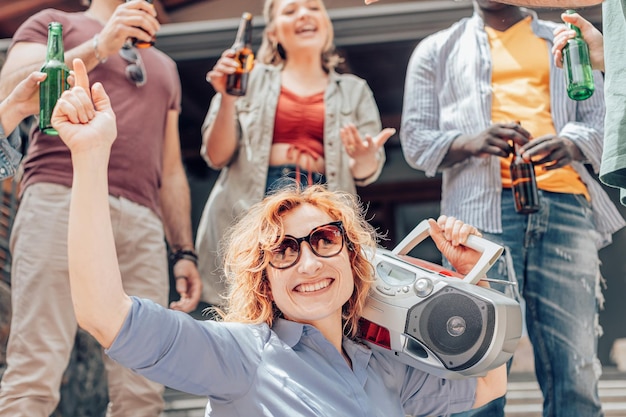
pixel 56 82
pixel 577 66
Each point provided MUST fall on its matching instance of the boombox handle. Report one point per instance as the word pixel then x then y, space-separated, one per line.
pixel 490 251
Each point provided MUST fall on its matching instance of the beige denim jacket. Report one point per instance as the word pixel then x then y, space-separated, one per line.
pixel 241 183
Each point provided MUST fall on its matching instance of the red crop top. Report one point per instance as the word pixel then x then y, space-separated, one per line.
pixel 300 122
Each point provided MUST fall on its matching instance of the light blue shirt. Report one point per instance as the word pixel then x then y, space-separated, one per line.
pixel 9 156
pixel 448 93
pixel 285 371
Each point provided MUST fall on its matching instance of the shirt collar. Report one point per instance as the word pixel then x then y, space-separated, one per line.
pixel 480 23
pixel 288 331
pixel 291 332
pixel 542 31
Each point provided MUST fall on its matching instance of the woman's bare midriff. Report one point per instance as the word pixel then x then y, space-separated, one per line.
pixel 278 156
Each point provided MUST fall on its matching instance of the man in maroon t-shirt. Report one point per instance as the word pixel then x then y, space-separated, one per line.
pixel 148 195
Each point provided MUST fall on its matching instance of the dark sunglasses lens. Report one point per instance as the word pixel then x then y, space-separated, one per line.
pixel 285 254
pixel 135 73
pixel 327 241
pixel 129 54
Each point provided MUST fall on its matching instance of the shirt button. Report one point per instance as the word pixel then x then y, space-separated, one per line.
pixel 3 171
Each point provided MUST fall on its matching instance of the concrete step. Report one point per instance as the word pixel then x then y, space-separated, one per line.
pixel 178 404
pixel 524 398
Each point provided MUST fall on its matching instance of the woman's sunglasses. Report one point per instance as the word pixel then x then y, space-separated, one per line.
pixel 135 71
pixel 325 241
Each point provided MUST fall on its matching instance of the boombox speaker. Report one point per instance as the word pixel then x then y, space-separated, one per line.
pixel 435 319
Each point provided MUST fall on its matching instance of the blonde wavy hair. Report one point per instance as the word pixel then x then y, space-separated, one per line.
pixel 273 53
pixel 249 297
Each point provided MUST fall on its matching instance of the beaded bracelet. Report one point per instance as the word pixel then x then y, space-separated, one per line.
pixel 95 50
pixel 188 254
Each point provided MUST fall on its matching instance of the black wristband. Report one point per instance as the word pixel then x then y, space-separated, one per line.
pixel 188 254
pixel 365 178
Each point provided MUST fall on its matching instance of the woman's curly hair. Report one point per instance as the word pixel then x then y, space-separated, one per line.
pixel 249 296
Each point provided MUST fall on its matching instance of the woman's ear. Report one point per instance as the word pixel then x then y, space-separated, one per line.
pixel 271 37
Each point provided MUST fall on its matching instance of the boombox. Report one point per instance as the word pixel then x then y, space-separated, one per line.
pixel 435 319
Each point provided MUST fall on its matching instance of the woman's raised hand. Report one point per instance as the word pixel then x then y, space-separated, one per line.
pixel 83 116
pixel 224 66
pixel 363 153
pixel 450 234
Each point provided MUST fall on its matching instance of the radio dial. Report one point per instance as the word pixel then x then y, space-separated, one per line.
pixel 423 287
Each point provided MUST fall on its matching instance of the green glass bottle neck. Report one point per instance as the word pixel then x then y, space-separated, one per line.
pixel 575 29
pixel 55 45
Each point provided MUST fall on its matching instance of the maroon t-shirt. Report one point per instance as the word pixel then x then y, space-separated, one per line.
pixel 136 161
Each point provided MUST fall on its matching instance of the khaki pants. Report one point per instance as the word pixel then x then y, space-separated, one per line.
pixel 43 325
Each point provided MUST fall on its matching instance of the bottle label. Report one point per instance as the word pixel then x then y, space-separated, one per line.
pixel 524 188
pixel 578 72
pixel 50 91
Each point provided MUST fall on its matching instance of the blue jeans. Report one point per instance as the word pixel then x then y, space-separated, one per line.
pixel 555 261
pixel 283 176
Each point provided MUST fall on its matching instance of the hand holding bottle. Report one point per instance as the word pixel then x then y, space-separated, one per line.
pixel 577 65
pixel 496 140
pixel 133 19
pixel 224 66
pixel 22 102
pixel 230 73
pixel 592 36
pixel 551 151
pixel 142 43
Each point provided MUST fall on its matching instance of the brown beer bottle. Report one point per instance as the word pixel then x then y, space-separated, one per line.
pixel 524 185
pixel 237 82
pixel 143 44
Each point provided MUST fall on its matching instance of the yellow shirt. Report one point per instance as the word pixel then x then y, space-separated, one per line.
pixel 520 83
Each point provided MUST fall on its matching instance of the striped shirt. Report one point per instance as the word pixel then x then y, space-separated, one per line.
pixel 448 94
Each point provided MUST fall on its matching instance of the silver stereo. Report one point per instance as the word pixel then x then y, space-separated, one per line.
pixel 436 320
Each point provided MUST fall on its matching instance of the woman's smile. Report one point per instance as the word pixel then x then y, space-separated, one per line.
pixel 309 287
